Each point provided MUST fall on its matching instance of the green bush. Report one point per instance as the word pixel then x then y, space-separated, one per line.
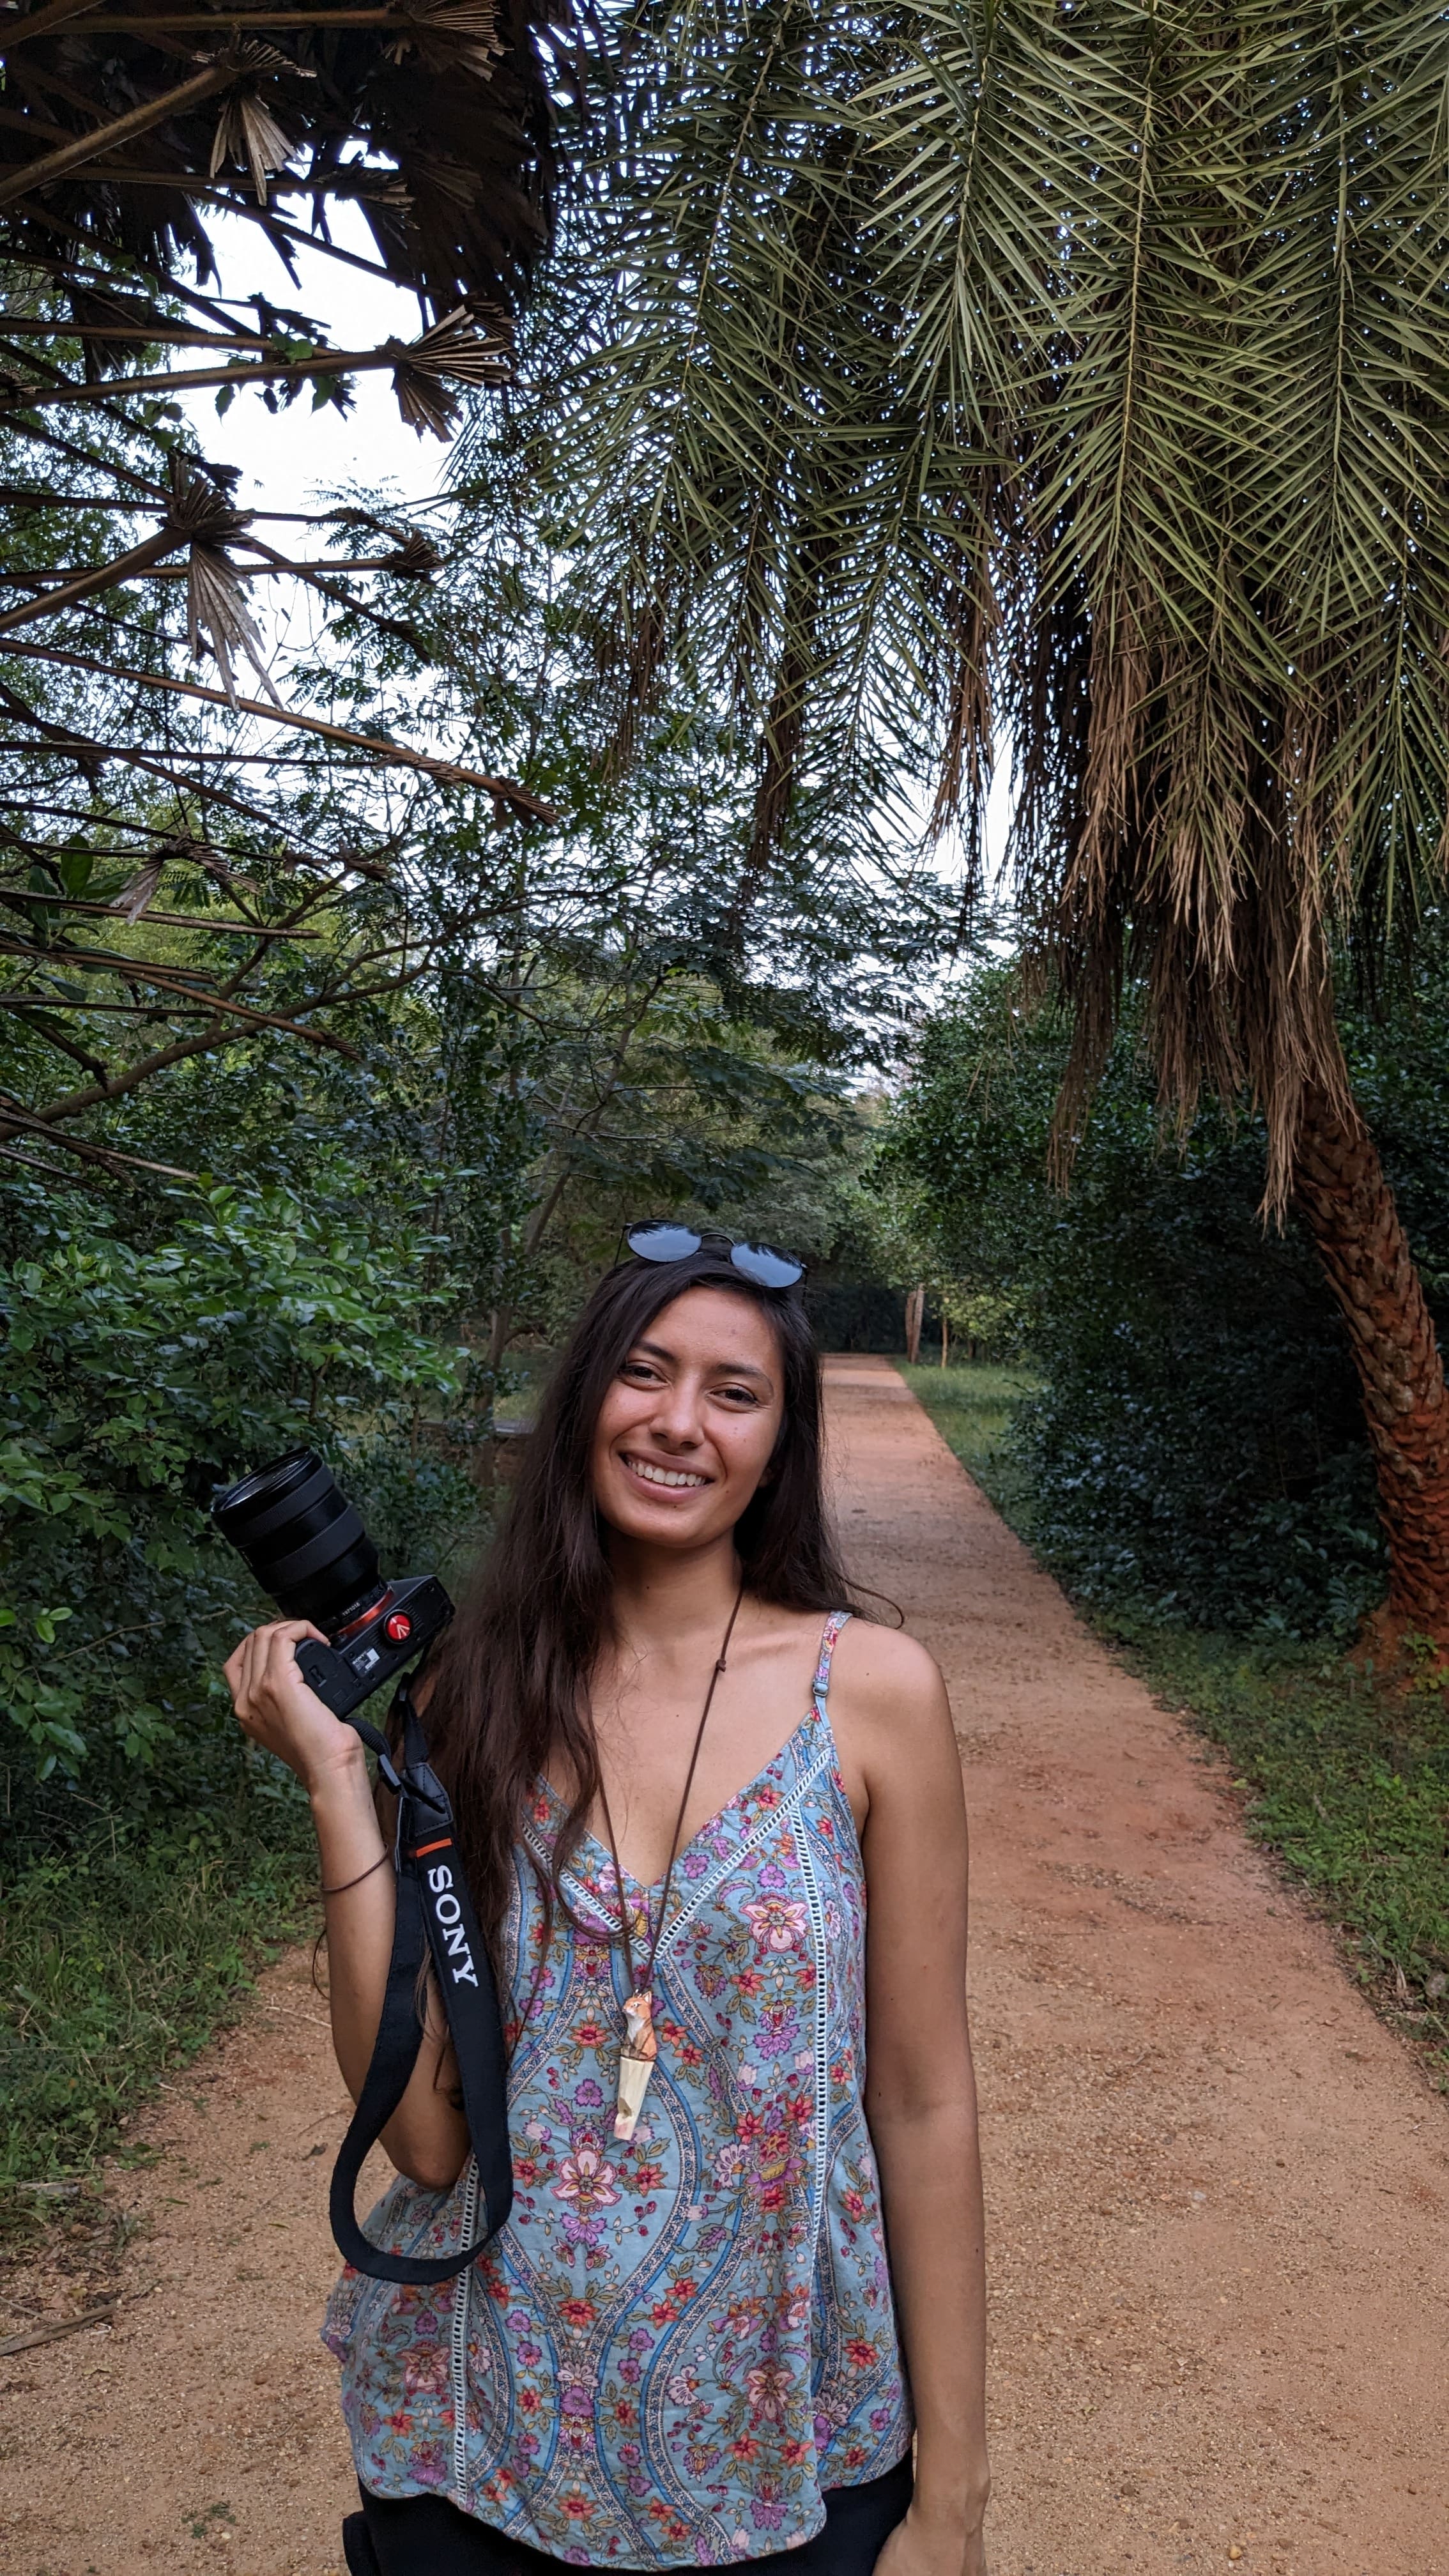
pixel 135 1378
pixel 121 1955
pixel 1197 1444
pixel 149 1856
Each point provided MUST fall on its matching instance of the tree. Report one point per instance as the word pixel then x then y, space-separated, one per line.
pixel 1195 1439
pixel 1071 376
pixel 163 840
pixel 657 1061
pixel 527 1040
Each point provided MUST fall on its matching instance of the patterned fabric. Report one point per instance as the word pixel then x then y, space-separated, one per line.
pixel 676 2344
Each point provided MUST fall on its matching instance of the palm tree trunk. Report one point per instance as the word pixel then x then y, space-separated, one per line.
pixel 1340 1191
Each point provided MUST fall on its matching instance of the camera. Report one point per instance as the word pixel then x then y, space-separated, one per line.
pixel 307 1547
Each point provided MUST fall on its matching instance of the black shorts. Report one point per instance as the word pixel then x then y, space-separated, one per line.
pixel 424 2536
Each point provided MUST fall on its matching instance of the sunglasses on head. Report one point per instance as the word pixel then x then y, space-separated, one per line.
pixel 759 1262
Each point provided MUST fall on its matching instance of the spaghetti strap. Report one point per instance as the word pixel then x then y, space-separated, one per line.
pixel 833 1626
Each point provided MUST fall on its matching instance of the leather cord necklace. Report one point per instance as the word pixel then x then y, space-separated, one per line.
pixel 641 2046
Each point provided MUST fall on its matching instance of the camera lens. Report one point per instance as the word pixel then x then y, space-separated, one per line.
pixel 302 1539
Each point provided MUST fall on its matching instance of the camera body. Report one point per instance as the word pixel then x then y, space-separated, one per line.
pixel 376 1646
pixel 307 1547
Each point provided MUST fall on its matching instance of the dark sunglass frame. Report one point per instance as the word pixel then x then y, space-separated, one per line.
pixel 763 1264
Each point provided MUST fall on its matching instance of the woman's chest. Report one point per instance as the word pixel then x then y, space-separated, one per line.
pixel 758 1987
pixel 667 1782
pixel 760 1902
pixel 768 1891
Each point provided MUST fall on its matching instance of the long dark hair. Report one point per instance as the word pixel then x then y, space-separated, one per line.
pixel 509 1686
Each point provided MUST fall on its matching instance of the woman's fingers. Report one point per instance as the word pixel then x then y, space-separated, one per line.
pixel 255 1648
pixel 234 1673
pixel 243 1675
pixel 275 1707
pixel 238 1670
pixel 282 1639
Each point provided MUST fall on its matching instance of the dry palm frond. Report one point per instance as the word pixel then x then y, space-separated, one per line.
pixel 452 349
pixel 200 509
pixel 246 130
pixel 136 898
pixel 217 613
pixel 446 102
pixel 93 310
pixel 415 557
pixel 450 34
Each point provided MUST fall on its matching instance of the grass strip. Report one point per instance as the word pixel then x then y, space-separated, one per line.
pixel 1344 1777
pixel 118 1961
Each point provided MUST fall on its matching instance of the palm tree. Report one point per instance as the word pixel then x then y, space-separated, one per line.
pixel 1074 374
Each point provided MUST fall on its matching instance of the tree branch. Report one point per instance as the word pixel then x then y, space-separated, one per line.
pixel 119 129
pixel 81 585
pixel 446 773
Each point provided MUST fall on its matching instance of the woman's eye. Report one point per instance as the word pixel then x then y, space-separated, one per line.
pixel 740 1394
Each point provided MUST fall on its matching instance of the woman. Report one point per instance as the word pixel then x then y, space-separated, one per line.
pixel 686 2348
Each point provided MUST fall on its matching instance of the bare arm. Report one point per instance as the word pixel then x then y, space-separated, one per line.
pixel 427 2136
pixel 920 2089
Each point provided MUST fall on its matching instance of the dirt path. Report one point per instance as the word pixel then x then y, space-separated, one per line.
pixel 1218 2186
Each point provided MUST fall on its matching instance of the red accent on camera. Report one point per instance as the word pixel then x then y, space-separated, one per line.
pixel 399 1627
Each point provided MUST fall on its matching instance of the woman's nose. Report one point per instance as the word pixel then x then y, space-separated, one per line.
pixel 676 1416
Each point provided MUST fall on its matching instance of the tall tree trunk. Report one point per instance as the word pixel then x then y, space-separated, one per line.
pixel 1340 1190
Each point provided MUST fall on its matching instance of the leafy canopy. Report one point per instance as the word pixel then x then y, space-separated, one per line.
pixel 1064 374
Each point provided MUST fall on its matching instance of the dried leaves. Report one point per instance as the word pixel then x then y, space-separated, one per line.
pixel 452 349
pixel 450 35
pixel 247 132
pixel 289 835
pixel 438 121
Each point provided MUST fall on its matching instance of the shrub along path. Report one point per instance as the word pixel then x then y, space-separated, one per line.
pixel 1218 2186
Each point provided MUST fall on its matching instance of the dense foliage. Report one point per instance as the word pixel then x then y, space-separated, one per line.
pixel 149 1353
pixel 1197 1440
pixel 137 1378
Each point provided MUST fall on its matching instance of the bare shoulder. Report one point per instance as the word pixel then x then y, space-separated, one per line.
pixel 887 1675
pixel 890 1713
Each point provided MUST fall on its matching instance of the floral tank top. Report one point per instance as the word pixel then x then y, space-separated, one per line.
pixel 675 2345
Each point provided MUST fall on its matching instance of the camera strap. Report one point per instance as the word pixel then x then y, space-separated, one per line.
pixel 435 1919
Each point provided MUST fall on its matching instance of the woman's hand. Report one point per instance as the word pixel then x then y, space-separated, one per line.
pixel 426 2136
pixel 277 1710
pixel 917 2548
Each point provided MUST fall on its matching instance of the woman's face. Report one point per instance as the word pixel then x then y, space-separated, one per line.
pixel 688 1427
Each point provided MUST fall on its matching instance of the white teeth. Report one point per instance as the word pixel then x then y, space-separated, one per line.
pixel 663 1475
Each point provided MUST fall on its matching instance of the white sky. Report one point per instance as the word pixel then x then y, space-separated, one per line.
pixel 292 458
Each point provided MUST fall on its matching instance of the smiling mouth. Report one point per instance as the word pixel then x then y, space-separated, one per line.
pixel 676 1477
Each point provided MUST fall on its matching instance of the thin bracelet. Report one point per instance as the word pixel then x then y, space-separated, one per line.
pixel 361 1875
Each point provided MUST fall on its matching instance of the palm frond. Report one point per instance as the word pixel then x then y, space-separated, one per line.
pixel 1072 373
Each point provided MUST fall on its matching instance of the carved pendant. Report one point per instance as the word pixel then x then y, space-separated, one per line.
pixel 636 2062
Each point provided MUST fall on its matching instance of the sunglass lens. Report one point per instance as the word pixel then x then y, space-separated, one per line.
pixel 662 1242
pixel 768 1268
